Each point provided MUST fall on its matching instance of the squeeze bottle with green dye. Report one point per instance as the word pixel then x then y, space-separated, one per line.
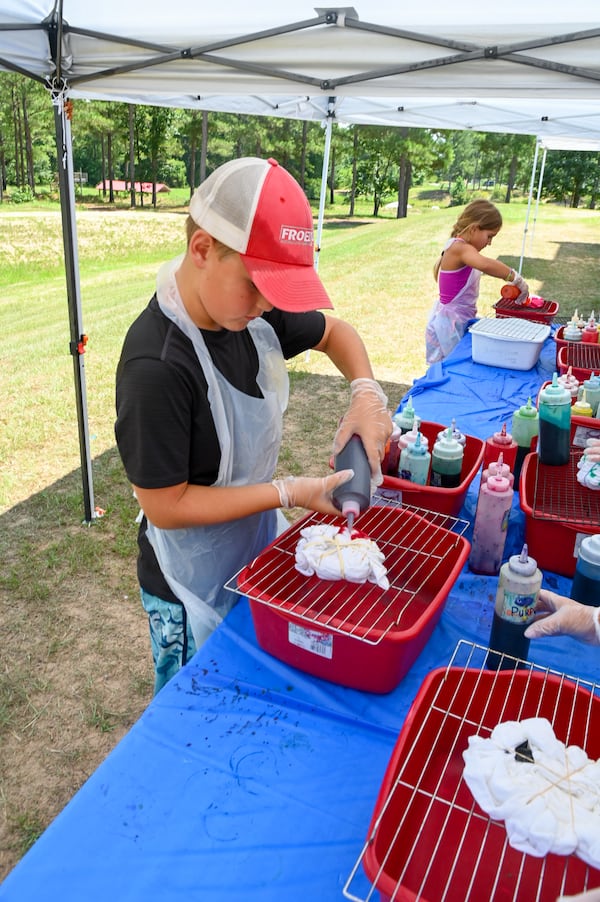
pixel 525 427
pixel 414 462
pixel 446 461
pixel 405 418
pixel 491 524
pixel 554 407
pixel 518 587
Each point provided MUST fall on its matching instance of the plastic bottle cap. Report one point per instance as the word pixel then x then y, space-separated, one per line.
pixel 522 563
pixel 417 447
pixel 589 549
pixel 350 507
pixel 447 447
pixel 498 483
pixel 555 393
pixel 528 410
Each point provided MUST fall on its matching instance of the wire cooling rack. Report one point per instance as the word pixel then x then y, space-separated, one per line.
pixel 428 840
pixel 423 550
pixel 558 496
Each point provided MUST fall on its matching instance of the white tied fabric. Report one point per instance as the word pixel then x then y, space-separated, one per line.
pixel 331 554
pixel 551 805
pixel 588 473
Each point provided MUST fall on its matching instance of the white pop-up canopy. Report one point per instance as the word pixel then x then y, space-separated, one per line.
pixel 523 68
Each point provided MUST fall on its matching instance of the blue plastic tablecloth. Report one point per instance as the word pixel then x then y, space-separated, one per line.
pixel 248 780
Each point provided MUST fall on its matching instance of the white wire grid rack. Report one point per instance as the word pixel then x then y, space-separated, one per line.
pixel 428 839
pixel 423 550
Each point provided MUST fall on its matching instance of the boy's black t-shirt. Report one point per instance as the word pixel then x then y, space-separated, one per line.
pixel 161 392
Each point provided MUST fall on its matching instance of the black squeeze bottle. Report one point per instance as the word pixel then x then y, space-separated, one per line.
pixel 353 497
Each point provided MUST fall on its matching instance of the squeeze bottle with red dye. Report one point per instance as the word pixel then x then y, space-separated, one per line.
pixel 500 442
pixel 499 468
pixel 491 524
pixel 590 332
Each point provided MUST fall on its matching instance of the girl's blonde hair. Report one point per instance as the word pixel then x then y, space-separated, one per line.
pixel 480 213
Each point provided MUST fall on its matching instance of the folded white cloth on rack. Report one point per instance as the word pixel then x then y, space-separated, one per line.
pixel 588 473
pixel 548 794
pixel 333 554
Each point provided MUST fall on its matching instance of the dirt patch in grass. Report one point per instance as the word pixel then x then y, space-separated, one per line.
pixel 76 672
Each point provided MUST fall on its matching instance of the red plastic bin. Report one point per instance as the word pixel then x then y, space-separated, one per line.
pixel 428 839
pixel 357 635
pixel 436 498
pixel 559 512
pixel 583 358
pixel 506 307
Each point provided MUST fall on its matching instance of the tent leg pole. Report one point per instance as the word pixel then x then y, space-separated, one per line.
pixel 533 171
pixel 78 339
pixel 539 194
pixel 324 173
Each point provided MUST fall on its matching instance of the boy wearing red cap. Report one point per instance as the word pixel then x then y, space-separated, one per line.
pixel 201 390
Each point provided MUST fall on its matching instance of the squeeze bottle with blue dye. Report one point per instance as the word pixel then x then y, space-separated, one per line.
pixel 353 497
pixel 525 427
pixel 414 462
pixel 446 461
pixel 518 588
pixel 586 581
pixel 491 524
pixel 554 406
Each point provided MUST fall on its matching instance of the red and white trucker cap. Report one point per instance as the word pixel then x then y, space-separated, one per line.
pixel 257 208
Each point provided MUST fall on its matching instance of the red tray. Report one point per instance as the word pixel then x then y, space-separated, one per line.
pixel 436 498
pixel 428 839
pixel 506 307
pixel 357 635
pixel 582 356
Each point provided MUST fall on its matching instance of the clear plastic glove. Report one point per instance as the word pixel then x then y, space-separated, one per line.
pixel 368 417
pixel 314 494
pixel 563 616
pixel 520 283
pixel 592 895
pixel 592 450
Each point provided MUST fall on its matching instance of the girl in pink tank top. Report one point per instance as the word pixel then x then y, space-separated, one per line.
pixel 458 272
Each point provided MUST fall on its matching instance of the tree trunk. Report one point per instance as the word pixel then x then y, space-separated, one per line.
pixel 203 153
pixel 132 199
pixel 28 143
pixel 103 151
pixel 111 193
pixel 404 178
pixel 354 171
pixel 512 174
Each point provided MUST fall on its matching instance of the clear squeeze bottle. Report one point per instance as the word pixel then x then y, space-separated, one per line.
pixel 446 461
pixel 491 524
pixel 586 581
pixel 592 393
pixel 405 418
pixel 353 497
pixel 414 462
pixel 518 587
pixel 571 331
pixel 554 406
pixel 409 438
pixel 391 457
pixel 499 468
pixel 525 427
pixel 500 442
pixel 570 382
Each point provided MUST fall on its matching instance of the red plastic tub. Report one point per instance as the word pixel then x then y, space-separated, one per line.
pixel 358 635
pixel 545 314
pixel 428 839
pixel 582 356
pixel 435 498
pixel 559 512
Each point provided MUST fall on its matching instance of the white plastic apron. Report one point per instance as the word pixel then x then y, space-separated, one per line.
pixel 197 561
pixel 447 322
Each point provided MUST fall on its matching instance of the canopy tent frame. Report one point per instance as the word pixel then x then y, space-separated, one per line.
pixel 343 85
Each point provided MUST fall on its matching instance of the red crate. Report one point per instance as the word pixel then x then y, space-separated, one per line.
pixel 559 511
pixel 428 839
pixel 506 307
pixel 437 498
pixel 582 356
pixel 358 635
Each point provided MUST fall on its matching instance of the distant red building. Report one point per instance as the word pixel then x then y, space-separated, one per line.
pixel 125 187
